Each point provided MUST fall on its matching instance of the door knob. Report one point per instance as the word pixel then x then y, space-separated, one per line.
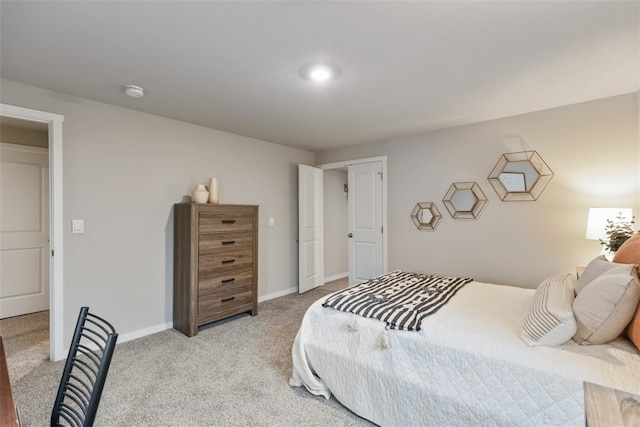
pixel 350 235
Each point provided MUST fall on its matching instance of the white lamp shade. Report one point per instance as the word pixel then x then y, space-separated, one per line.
pixel 597 220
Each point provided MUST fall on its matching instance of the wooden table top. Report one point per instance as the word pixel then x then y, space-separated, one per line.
pixel 607 407
pixel 8 414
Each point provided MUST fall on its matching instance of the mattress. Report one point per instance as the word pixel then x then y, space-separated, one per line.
pixel 467 365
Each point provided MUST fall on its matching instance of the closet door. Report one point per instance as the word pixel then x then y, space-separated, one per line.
pixel 365 222
pixel 24 229
pixel 310 228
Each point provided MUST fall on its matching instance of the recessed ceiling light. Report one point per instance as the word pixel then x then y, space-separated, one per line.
pixel 320 72
pixel 134 91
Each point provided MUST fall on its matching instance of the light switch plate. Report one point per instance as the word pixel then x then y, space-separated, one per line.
pixel 77 226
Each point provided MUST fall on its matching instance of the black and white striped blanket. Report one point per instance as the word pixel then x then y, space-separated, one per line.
pixel 401 299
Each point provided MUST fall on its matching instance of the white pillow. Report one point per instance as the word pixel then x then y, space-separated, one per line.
pixel 550 319
pixel 597 267
pixel 605 307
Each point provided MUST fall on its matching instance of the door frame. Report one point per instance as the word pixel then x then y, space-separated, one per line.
pixel 54 122
pixel 383 161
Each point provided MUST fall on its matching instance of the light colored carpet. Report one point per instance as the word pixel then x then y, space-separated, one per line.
pixel 234 372
pixel 26 342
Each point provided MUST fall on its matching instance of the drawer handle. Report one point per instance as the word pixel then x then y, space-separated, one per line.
pixel 228 299
pixel 228 221
pixel 228 261
pixel 228 280
pixel 229 242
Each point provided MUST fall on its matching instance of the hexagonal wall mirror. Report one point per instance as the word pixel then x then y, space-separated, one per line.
pixel 520 176
pixel 426 216
pixel 465 200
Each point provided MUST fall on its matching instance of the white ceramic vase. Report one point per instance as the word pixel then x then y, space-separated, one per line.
pixel 199 194
pixel 214 195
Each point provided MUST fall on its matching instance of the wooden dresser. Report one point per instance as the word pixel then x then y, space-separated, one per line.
pixel 215 263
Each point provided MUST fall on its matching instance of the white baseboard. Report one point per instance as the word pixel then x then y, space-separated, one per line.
pixel 336 277
pixel 127 337
pixel 295 289
pixel 277 294
pixel 164 326
pixel 144 332
pixel 169 325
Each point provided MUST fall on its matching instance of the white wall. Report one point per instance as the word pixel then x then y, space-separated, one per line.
pixel 336 257
pixel 123 171
pixel 593 150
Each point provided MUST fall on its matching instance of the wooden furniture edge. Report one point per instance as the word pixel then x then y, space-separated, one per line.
pixel 8 413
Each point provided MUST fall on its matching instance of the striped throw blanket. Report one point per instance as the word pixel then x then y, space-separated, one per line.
pixel 400 299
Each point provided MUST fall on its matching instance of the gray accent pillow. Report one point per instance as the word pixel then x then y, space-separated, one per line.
pixel 605 306
pixel 598 266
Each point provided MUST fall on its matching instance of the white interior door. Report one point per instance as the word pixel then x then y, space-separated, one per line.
pixel 310 228
pixel 24 229
pixel 365 222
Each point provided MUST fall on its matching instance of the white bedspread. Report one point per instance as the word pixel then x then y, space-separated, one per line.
pixel 467 366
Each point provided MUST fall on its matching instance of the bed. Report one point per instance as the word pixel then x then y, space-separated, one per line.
pixel 467 365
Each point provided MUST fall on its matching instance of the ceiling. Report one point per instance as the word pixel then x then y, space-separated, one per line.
pixel 405 67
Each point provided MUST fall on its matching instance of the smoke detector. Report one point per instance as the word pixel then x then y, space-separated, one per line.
pixel 134 91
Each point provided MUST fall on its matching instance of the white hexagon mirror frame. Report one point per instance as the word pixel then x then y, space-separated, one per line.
pixel 465 200
pixel 520 176
pixel 419 220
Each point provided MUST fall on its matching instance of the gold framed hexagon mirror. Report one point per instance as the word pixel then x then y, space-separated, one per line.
pixel 426 216
pixel 520 176
pixel 465 200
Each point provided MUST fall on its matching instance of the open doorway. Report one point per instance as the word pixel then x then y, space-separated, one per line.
pixel 24 217
pixel 24 242
pixel 48 255
pixel 336 225
pixel 366 217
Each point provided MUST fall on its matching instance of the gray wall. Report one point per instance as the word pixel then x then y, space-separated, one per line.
pixel 593 149
pixel 123 171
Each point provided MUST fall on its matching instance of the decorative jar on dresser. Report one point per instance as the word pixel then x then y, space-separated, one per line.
pixel 215 271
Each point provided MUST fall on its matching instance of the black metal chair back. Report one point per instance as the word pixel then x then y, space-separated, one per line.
pixel 85 371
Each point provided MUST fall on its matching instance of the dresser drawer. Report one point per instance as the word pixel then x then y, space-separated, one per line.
pixel 219 305
pixel 222 242
pixel 214 282
pixel 221 293
pixel 225 262
pixel 221 221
